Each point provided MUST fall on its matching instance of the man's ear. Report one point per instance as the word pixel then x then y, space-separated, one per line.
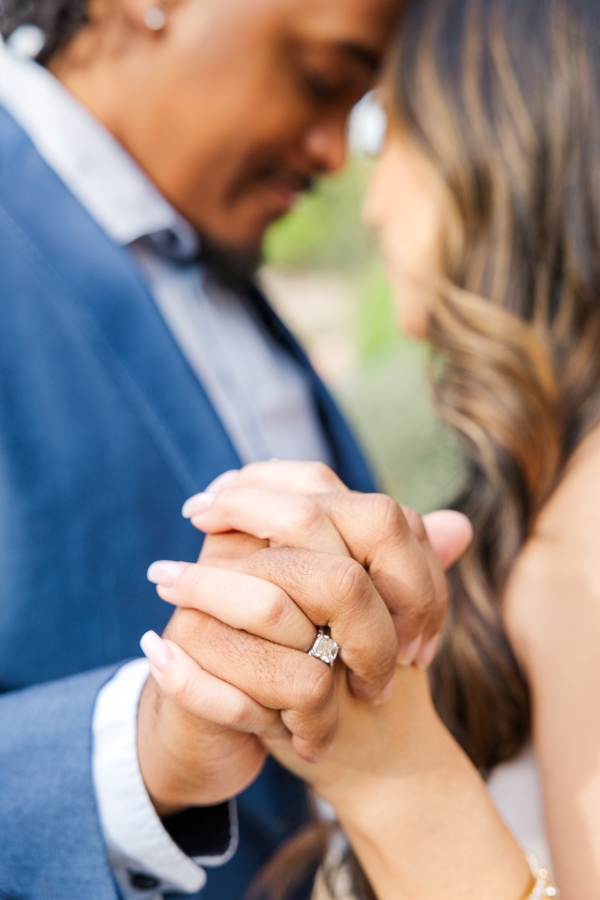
pixel 449 533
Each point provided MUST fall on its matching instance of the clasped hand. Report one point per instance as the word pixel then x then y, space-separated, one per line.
pixel 288 548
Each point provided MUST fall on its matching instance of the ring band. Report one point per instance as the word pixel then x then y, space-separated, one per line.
pixel 324 648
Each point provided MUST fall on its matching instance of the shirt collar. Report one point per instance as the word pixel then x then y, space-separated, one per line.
pixel 86 156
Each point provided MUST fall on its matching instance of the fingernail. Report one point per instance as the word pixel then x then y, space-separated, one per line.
pixel 165 572
pixel 197 504
pixel 407 656
pixel 386 694
pixel 156 650
pixel 427 654
pixel 221 482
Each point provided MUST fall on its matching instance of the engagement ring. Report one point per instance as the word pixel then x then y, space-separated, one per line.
pixel 324 648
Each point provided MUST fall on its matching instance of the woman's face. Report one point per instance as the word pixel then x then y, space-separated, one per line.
pixel 405 206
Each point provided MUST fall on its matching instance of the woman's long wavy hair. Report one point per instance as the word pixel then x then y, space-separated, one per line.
pixel 503 96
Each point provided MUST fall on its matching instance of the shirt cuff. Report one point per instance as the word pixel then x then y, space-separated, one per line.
pixel 144 858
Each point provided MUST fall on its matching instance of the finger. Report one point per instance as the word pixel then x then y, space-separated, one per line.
pixel 202 694
pixel 379 536
pixel 336 591
pixel 241 601
pixel 278 475
pixel 275 677
pixel 425 649
pixel 444 535
pixel 231 544
pixel 280 518
pixel 449 533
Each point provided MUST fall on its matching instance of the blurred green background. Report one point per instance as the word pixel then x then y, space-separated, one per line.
pixel 323 274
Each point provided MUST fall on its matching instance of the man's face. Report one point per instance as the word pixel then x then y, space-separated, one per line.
pixel 238 104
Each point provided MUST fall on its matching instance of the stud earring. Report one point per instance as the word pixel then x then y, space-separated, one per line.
pixel 155 19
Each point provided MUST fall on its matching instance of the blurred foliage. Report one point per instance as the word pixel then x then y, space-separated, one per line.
pixel 376 329
pixel 389 403
pixel 325 230
pixel 387 397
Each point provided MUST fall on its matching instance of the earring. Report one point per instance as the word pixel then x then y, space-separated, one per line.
pixel 155 19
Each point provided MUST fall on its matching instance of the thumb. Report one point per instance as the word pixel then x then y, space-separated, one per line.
pixel 449 533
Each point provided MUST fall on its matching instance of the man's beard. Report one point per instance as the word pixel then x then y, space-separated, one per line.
pixel 233 266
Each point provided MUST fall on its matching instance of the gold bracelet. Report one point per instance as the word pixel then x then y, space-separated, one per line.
pixel 541 884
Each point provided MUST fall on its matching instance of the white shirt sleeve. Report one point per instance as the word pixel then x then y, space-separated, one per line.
pixel 145 860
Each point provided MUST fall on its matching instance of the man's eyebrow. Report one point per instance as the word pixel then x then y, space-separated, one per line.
pixel 368 58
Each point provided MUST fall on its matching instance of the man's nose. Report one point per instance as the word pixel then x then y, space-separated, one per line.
pixel 326 145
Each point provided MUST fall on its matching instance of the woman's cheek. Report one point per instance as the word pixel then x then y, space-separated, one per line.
pixel 412 303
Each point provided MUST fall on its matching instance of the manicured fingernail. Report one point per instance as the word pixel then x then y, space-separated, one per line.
pixel 221 482
pixel 386 693
pixel 427 654
pixel 408 654
pixel 165 572
pixel 197 504
pixel 156 650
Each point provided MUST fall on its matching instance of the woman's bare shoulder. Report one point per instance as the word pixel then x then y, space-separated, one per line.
pixel 556 579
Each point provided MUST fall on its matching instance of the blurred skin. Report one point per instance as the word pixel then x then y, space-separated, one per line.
pixel 235 105
pixel 405 206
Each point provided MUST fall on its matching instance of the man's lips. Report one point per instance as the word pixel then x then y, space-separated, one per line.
pixel 284 188
pixel 284 195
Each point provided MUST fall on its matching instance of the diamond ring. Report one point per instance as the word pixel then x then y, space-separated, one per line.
pixel 324 648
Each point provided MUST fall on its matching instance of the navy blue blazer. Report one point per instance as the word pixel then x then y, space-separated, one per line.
pixel 104 431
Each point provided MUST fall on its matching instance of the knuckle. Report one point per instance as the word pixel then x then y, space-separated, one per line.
pixel 420 608
pixel 305 516
pixel 316 685
pixel 350 583
pixel 321 474
pixel 271 605
pixel 239 711
pixel 388 516
pixel 415 522
pixel 177 684
pixel 190 580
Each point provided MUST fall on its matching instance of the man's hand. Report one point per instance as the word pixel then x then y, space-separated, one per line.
pixel 238 645
pixel 404 554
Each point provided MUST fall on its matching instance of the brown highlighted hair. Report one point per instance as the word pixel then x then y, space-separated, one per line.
pixel 504 98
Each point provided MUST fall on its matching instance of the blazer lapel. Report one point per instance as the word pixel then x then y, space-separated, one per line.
pixel 96 284
pixel 349 459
